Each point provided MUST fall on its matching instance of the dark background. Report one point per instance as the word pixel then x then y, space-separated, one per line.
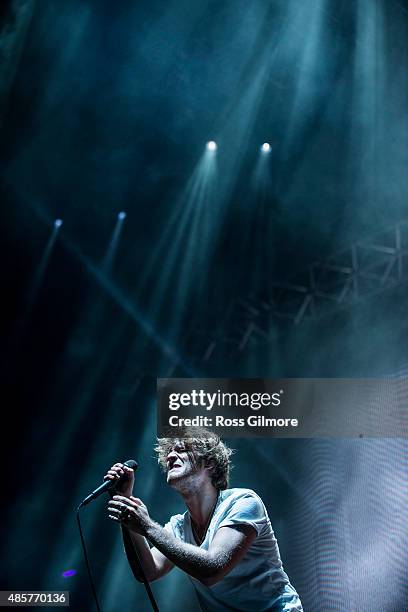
pixel 107 107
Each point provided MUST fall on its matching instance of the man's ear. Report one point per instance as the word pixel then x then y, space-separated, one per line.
pixel 210 465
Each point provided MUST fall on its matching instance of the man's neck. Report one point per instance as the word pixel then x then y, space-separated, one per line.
pixel 200 501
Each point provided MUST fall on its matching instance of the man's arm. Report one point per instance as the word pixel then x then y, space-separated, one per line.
pixel 154 564
pixel 227 548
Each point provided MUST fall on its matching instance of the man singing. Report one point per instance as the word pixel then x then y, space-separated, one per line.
pixel 224 541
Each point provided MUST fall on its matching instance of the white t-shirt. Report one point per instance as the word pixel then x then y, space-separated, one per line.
pixel 256 582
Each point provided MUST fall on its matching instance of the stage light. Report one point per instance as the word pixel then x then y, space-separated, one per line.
pixel 57 222
pixel 69 573
pixel 266 147
pixel 122 216
pixel 211 145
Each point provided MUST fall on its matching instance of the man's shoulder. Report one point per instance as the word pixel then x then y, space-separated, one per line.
pixel 239 493
pixel 242 506
pixel 241 498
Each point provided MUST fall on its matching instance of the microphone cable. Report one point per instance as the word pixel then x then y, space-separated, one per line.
pixel 88 567
pixel 138 562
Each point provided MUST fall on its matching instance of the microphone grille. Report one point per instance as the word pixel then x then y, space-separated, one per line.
pixel 132 464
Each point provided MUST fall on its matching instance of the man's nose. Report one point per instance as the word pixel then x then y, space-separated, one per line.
pixel 172 455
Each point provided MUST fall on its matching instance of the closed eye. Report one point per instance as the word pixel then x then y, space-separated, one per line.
pixel 179 449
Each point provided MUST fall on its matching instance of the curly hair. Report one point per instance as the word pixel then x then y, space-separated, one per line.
pixel 204 448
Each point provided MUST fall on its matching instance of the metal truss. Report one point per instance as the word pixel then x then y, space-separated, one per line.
pixel 367 267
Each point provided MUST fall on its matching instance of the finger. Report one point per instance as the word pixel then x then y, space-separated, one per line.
pixel 122 498
pixel 123 512
pixel 115 473
pixel 117 469
pixel 115 511
pixel 118 504
pixel 136 500
pixel 114 518
pixel 111 475
pixel 120 510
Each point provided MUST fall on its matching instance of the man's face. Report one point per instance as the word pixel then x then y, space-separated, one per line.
pixel 179 465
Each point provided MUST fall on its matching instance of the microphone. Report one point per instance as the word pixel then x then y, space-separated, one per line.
pixel 108 485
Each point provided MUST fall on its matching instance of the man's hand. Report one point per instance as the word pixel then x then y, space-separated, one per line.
pixel 134 519
pixel 120 470
pixel 130 512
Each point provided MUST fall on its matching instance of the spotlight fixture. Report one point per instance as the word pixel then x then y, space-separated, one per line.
pixel 266 147
pixel 57 222
pixel 121 215
pixel 211 145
